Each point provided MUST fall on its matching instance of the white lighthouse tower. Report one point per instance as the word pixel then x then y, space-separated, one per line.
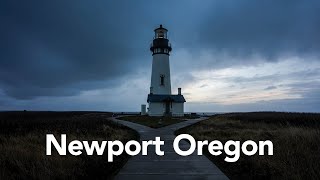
pixel 161 101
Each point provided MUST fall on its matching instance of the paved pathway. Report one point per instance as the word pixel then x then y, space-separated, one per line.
pixel 171 165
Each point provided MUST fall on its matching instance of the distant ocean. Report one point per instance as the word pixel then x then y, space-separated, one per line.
pixel 205 113
pixel 198 113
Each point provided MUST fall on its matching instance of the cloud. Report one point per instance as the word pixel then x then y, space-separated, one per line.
pixel 269 28
pixel 49 48
pixel 126 97
pixel 270 87
pixel 282 80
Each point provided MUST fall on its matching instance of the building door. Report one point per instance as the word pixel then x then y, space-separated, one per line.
pixel 167 108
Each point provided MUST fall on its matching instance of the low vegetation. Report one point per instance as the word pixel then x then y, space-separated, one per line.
pixel 22 145
pixel 153 122
pixel 295 138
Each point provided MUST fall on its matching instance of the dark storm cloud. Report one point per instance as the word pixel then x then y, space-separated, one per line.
pixel 48 47
pixel 270 28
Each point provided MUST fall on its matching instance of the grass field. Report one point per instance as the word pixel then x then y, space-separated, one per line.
pixel 153 122
pixel 22 145
pixel 295 137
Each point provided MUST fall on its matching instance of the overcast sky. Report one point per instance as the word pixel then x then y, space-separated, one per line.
pixel 228 55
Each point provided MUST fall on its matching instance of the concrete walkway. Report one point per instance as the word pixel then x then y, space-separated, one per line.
pixel 171 165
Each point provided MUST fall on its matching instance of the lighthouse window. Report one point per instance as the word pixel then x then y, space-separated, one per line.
pixel 161 34
pixel 162 80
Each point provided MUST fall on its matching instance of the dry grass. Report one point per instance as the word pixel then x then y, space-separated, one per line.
pixel 153 122
pixel 22 145
pixel 295 136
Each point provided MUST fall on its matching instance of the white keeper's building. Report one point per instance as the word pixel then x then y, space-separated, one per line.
pixel 161 101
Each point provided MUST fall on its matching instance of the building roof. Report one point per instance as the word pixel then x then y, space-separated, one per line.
pixel 164 98
pixel 161 28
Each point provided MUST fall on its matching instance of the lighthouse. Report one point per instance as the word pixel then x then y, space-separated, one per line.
pixel 161 101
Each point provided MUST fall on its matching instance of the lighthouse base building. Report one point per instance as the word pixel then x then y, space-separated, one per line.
pixel 161 101
pixel 166 105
